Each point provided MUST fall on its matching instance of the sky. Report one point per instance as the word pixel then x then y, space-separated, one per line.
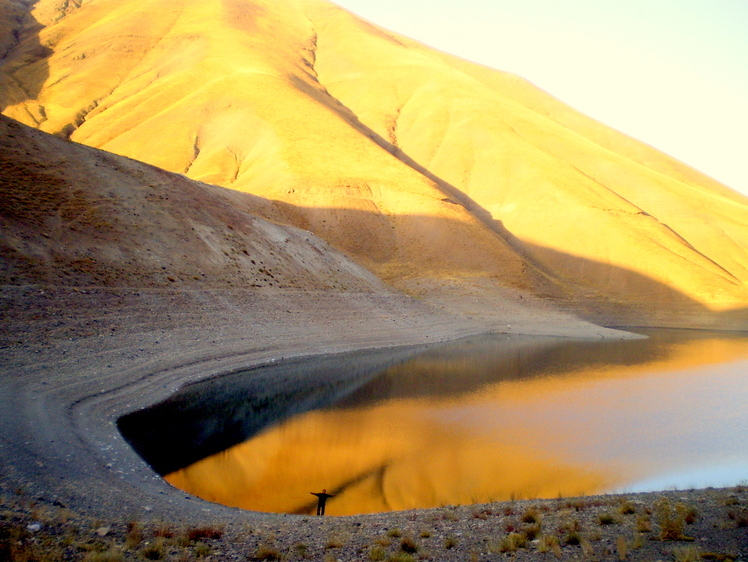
pixel 671 73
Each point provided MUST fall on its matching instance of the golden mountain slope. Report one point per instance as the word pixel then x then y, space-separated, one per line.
pixel 413 162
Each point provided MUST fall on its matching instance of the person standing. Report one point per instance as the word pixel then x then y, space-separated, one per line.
pixel 322 500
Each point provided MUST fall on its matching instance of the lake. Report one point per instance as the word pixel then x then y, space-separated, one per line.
pixel 486 418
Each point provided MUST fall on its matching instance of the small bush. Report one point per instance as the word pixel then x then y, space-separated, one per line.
pixel 267 553
pixel 153 551
pixel 425 534
pixel 134 535
pixel 586 545
pixel 671 522
pixel 200 533
pixel 627 508
pixel 408 545
pixel 532 532
pixel 400 557
pixel 163 531
pixel 572 538
pixel 622 547
pixel 687 512
pixel 111 555
pixel 202 550
pixel 450 542
pixel 531 516
pixel 334 542
pixel 606 519
pixel 376 554
pixel 549 543
pixel 513 542
pixel 687 554
pixel 643 524
pixel 395 533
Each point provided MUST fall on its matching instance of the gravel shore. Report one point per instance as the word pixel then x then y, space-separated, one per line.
pixel 74 360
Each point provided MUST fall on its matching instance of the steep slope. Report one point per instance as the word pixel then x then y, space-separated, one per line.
pixel 226 93
pixel 77 216
pixel 575 195
pixel 413 162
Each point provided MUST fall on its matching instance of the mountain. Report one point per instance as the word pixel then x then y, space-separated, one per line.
pixel 427 170
pixel 77 216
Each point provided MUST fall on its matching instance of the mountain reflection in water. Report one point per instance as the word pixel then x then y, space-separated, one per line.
pixel 499 417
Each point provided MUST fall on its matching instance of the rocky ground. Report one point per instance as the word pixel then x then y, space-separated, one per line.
pixel 682 526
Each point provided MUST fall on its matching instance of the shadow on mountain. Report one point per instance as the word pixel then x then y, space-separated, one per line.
pixel 619 297
pixel 605 294
pixel 23 58
pixel 58 228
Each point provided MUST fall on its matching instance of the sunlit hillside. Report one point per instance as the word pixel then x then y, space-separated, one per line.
pixel 418 165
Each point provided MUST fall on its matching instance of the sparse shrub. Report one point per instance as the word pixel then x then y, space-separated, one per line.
pixel 572 538
pixel 408 545
pixel 154 550
pixel 627 508
pixel 134 535
pixel 531 515
pixel 570 526
pixel 671 522
pixel 513 542
pixel 202 550
pixel 163 531
pixel 606 519
pixel 622 547
pixel 425 534
pixel 480 514
pixel 549 543
pixel 643 524
pixel 395 533
pixel 731 500
pixel 111 555
pixel 199 533
pixel 266 553
pixel 531 532
pixel 450 542
pixel 586 545
pixel 301 550
pixel 377 553
pixel 688 553
pixel 687 512
pixel 334 542
pixel 400 557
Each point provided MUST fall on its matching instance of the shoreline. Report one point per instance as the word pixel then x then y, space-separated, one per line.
pixel 88 356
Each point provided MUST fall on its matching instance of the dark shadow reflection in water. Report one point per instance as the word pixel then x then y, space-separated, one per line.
pixel 485 418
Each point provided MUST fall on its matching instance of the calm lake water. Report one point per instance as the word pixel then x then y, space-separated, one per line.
pixel 485 418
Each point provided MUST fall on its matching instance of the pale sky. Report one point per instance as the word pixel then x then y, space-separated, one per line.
pixel 672 73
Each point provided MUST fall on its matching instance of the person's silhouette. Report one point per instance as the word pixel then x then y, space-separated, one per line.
pixel 321 500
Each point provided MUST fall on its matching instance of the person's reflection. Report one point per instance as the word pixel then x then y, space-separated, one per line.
pixel 322 500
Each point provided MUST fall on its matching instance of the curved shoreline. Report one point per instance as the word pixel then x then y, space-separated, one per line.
pixel 62 392
pixel 89 359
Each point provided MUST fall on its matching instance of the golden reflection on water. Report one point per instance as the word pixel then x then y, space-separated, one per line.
pixel 534 418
